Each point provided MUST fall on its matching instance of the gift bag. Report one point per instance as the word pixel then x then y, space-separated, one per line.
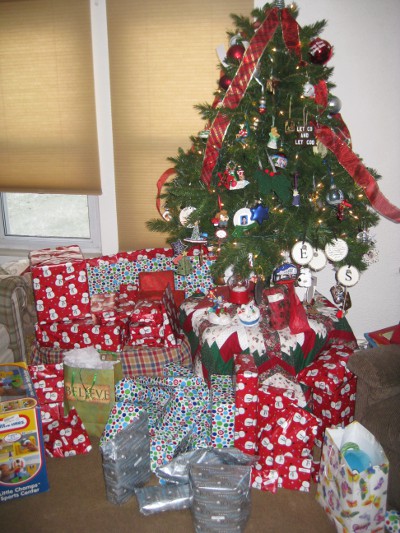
pixel 92 392
pixel 353 479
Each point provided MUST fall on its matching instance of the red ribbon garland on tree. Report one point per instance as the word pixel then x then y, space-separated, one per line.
pixel 236 91
pixel 353 165
pixel 161 180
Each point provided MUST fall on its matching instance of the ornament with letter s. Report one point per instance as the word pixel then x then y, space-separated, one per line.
pixel 348 276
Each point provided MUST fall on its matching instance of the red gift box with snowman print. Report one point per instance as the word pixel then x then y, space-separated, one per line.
pixel 286 439
pixel 333 388
pixel 48 381
pixel 147 335
pixel 245 381
pixel 60 283
pixel 66 436
pixel 72 334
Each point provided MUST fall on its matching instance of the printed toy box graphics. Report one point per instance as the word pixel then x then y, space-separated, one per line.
pixel 60 283
pixel 22 456
pixel 352 489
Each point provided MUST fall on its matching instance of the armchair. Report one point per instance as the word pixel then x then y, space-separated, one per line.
pixel 378 405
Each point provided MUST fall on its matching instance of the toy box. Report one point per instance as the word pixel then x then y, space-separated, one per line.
pixel 22 457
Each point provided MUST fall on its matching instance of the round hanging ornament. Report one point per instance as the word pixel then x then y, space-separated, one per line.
pixel 224 82
pixel 334 105
pixel 318 261
pixel 242 217
pixel 336 250
pixel 348 276
pixel 184 215
pixel 320 51
pixel 236 51
pixel 335 196
pixel 302 253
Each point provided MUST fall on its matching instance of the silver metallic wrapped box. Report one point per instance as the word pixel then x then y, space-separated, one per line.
pixel 126 460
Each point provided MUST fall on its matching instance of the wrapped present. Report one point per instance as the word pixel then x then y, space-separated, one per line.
pixel 333 388
pixel 48 381
pixel 245 381
pixel 60 283
pixel 286 439
pixel 51 411
pixel 165 444
pixel 328 371
pixel 72 334
pixel 122 414
pixel 287 382
pixel 147 313
pixel 131 391
pixel 66 436
pixel 336 409
pixel 125 453
pixel 222 399
pixel 104 308
pixel 150 335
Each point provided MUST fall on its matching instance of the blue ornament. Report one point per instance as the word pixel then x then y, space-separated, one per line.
pixel 259 213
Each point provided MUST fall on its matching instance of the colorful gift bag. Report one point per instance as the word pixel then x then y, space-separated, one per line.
pixel 353 493
pixel 92 393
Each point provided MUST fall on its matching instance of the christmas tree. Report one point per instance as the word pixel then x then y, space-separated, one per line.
pixel 272 178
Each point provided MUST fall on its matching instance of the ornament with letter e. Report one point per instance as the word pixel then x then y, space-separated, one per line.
pixel 302 253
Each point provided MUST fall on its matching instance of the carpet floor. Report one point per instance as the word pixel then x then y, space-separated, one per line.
pixel 76 502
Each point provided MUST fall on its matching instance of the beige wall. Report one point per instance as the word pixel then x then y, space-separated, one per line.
pixel 162 62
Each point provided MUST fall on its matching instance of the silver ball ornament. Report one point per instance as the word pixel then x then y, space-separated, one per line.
pixel 335 196
pixel 334 105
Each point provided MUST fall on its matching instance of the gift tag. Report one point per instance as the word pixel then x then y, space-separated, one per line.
pixel 336 250
pixel 348 276
pixel 302 252
pixel 318 261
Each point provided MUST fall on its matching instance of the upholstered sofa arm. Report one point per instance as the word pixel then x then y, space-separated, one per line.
pixel 378 374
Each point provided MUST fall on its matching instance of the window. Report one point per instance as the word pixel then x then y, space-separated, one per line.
pixel 32 221
pixel 48 131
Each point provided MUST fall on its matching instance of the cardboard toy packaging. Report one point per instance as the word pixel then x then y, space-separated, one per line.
pixel 22 456
pixel 60 283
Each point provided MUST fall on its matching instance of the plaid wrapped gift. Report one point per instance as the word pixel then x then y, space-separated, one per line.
pixel 150 361
pixel 142 361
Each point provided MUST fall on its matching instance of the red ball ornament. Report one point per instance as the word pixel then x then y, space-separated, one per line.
pixel 320 51
pixel 236 52
pixel 224 82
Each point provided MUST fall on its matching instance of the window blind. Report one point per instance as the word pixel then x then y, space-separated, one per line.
pixel 48 136
pixel 162 62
